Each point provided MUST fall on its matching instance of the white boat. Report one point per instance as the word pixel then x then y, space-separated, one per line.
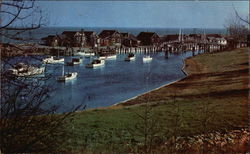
pixel 67 76
pixel 102 57
pixel 53 60
pixel 75 61
pixel 80 53
pixel 130 57
pixel 89 54
pixel 23 70
pixel 96 63
pixel 111 57
pixel 147 59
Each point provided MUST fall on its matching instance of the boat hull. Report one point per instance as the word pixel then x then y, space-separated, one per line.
pixel 129 58
pixel 51 60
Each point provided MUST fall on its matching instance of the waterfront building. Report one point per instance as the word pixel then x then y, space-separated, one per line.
pixel 216 38
pixel 77 38
pixel 129 40
pixel 148 38
pixel 110 38
pixel 92 39
pixel 51 40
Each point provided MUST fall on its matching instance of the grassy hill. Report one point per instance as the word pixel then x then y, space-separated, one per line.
pixel 212 98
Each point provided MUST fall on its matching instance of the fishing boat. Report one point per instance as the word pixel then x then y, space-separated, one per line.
pixel 95 63
pixel 53 60
pixel 23 70
pixel 130 57
pixel 75 61
pixel 147 59
pixel 66 77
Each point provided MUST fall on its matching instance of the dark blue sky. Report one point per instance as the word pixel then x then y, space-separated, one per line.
pixel 189 14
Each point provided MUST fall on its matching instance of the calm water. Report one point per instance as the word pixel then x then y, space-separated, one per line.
pixel 115 82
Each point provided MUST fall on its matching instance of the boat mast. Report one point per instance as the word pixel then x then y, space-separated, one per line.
pixel 180 39
pixel 63 71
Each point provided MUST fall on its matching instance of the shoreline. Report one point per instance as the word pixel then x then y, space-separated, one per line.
pixel 165 85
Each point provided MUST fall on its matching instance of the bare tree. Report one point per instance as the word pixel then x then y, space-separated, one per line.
pixel 237 27
pixel 27 122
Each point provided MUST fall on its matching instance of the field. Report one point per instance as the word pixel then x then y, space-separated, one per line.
pixel 212 98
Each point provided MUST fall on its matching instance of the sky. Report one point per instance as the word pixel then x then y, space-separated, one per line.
pixel 161 14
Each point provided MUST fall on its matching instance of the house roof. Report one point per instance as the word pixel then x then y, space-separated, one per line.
pixel 129 36
pixel 146 35
pixel 69 33
pixel 214 35
pixel 89 33
pixel 195 35
pixel 107 33
pixel 48 37
pixel 125 34
pixel 172 37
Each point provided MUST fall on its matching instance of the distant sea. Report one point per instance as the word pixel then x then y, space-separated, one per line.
pixel 36 35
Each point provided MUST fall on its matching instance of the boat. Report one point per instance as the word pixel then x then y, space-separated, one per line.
pixel 80 53
pixel 89 54
pixel 147 58
pixel 102 56
pixel 23 70
pixel 111 56
pixel 53 60
pixel 130 57
pixel 66 77
pixel 95 63
pixel 75 61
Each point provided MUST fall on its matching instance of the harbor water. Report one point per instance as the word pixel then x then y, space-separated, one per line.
pixel 114 82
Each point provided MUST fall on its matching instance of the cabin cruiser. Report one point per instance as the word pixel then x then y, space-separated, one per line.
pixel 75 61
pixel 147 58
pixel 130 57
pixel 52 60
pixel 67 76
pixel 23 70
pixel 96 63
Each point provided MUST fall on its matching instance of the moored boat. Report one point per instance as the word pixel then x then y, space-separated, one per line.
pixel 75 61
pixel 147 59
pixel 53 60
pixel 66 77
pixel 111 56
pixel 102 56
pixel 89 54
pixel 130 57
pixel 22 70
pixel 95 63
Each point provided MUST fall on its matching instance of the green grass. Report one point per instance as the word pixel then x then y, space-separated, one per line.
pixel 208 88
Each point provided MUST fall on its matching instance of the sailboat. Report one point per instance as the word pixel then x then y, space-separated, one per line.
pixel 67 76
